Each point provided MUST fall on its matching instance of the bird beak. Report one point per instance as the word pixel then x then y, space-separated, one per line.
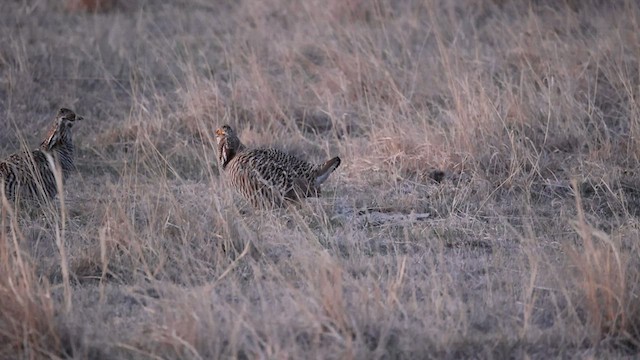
pixel 219 132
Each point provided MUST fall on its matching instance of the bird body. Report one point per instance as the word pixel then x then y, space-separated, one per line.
pixel 269 177
pixel 32 173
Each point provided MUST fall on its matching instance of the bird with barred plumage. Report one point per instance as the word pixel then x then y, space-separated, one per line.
pixel 32 174
pixel 269 177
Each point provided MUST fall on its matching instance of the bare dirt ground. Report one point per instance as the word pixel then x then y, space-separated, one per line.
pixel 527 247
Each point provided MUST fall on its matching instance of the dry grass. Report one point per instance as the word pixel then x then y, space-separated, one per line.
pixel 532 241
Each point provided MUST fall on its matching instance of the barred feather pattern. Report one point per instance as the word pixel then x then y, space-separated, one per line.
pixel 269 177
pixel 31 174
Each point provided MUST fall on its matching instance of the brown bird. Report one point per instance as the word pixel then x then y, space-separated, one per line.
pixel 30 174
pixel 269 177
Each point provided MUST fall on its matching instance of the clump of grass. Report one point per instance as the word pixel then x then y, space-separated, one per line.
pixel 27 310
pixel 607 279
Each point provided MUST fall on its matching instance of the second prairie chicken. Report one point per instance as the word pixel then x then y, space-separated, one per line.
pixel 31 174
pixel 269 177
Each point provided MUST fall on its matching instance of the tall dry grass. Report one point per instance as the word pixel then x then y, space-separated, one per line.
pixel 528 108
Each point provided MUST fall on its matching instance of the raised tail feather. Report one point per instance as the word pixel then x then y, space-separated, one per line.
pixel 303 188
pixel 322 174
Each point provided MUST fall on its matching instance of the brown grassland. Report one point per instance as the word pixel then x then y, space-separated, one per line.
pixel 527 247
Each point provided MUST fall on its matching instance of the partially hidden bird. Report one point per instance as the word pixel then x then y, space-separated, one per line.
pixel 32 174
pixel 269 177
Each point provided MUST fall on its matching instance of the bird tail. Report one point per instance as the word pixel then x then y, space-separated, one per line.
pixel 325 170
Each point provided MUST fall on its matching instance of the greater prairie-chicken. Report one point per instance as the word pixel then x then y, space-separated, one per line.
pixel 30 174
pixel 269 177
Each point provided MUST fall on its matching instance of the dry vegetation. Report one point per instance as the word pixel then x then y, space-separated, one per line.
pixel 531 247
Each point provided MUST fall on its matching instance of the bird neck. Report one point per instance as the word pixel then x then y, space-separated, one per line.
pixel 228 149
pixel 225 154
pixel 62 150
